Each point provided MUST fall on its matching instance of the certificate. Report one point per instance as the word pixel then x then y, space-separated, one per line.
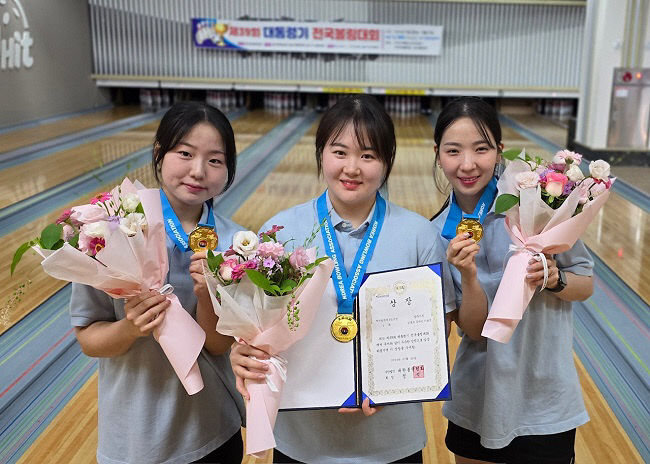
pixel 399 355
pixel 403 343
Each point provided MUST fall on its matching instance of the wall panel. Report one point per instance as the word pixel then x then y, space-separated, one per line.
pixel 485 46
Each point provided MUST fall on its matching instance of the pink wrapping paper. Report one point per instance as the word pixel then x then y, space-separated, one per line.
pixel 558 235
pixel 128 266
pixel 259 320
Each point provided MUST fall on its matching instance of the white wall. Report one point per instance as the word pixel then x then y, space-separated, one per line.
pixel 55 77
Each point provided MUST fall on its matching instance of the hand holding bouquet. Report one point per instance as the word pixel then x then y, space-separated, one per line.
pixel 266 297
pixel 117 244
pixel 547 207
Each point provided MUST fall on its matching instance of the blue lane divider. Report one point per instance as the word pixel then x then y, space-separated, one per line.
pixel 39 150
pixel 612 333
pixel 625 189
pixel 49 119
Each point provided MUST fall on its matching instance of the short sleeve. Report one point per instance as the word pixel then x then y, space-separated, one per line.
pixel 577 260
pixel 88 305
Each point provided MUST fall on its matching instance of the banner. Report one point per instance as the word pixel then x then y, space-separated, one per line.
pixel 317 37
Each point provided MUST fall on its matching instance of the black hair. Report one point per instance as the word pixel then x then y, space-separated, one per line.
pixel 179 120
pixel 483 115
pixel 372 127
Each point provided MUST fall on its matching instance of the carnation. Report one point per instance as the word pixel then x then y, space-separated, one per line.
pixel 567 156
pixel 270 250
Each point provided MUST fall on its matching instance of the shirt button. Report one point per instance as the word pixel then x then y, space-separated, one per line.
pixel 346 225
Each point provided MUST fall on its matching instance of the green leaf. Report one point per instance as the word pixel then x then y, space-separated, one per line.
pixel 57 245
pixel 505 202
pixel 74 241
pixel 260 280
pixel 51 235
pixel 214 261
pixel 316 263
pixel 287 285
pixel 511 154
pixel 19 254
pixel 139 209
pixel 266 238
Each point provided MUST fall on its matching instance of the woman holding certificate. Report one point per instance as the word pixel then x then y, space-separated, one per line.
pixel 518 402
pixel 362 232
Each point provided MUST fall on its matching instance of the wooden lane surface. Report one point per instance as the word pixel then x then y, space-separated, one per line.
pixel 619 233
pixel 28 179
pixel 72 435
pixel 31 135
pixel 294 181
pixel 248 129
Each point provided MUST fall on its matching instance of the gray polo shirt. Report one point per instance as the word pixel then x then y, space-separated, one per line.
pixel 528 386
pixel 145 414
pixel 326 436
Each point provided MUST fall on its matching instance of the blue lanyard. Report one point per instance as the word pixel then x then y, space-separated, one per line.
pixel 173 225
pixel 482 208
pixel 347 288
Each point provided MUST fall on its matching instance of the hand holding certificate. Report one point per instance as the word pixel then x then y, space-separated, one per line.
pixel 399 354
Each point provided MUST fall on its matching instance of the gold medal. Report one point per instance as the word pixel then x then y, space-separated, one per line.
pixel 472 226
pixel 203 238
pixel 344 327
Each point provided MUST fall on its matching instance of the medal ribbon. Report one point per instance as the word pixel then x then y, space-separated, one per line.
pixel 173 225
pixel 346 287
pixel 482 208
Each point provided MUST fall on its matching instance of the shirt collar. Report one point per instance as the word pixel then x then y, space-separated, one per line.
pixel 341 224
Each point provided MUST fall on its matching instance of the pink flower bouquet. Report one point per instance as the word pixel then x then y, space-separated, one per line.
pixel 117 244
pixel 547 206
pixel 266 297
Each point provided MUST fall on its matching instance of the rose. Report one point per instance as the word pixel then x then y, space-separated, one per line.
pixel 130 202
pixel 599 169
pixel 85 214
pixel 527 179
pixel 555 182
pixel 132 223
pixel 300 258
pixel 270 250
pixel 226 268
pixel 574 173
pixel 245 243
